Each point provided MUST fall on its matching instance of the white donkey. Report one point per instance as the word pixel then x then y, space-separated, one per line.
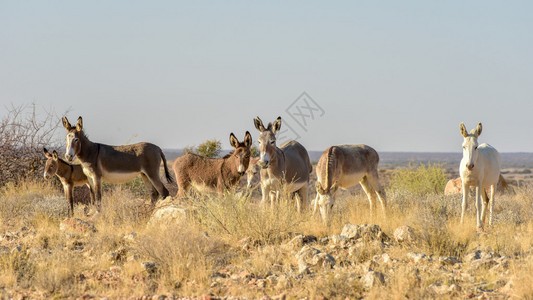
pixel 479 168
pixel 288 165
pixel 344 166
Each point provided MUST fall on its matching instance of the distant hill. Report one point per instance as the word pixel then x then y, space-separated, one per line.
pixel 390 160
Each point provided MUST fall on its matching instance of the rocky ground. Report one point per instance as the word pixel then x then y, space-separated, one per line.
pixel 361 261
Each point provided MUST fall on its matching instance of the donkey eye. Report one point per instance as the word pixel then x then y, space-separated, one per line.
pixel 475 148
pixel 272 142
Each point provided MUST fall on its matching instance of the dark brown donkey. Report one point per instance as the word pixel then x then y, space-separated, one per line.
pixel 69 175
pixel 219 173
pixel 116 164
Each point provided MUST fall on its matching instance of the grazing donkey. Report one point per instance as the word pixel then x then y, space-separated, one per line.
pixel 115 164
pixel 288 165
pixel 344 166
pixel 253 170
pixel 479 168
pixel 220 173
pixel 69 175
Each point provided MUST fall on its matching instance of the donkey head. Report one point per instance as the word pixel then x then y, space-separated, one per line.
pixel 325 198
pixel 470 144
pixel 73 138
pixel 267 140
pixel 50 168
pixel 252 171
pixel 242 151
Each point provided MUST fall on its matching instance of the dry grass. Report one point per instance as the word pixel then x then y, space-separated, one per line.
pixel 234 234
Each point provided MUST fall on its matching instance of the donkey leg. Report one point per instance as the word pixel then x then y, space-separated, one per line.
pixel 70 199
pixel 92 190
pixel 484 205
pixel 98 192
pixel 373 179
pixel 370 193
pixel 150 187
pixel 492 192
pixel 478 208
pixel 303 193
pixel 264 194
pixel 157 184
pixel 298 198
pixel 466 191
pixel 315 206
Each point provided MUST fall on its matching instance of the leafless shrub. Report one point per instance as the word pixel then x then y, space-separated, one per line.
pixel 23 134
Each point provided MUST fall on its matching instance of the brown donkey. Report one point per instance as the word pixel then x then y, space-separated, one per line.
pixel 219 173
pixel 288 165
pixel 344 166
pixel 69 175
pixel 116 164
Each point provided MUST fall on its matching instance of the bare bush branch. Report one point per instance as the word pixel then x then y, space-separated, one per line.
pixel 23 134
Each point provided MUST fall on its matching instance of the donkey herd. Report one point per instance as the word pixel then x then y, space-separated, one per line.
pixel 283 169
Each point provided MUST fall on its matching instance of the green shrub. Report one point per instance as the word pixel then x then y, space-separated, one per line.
pixel 420 180
pixel 254 151
pixel 209 148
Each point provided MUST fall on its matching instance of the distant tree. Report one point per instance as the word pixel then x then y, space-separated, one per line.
pixel 187 150
pixel 209 148
pixel 254 151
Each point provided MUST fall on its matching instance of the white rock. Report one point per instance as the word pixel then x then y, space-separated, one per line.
pixel 167 215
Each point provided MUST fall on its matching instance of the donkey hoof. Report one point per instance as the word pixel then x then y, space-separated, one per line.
pixel 480 229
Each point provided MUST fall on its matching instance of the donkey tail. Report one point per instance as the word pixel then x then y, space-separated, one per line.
pixel 167 174
pixel 505 186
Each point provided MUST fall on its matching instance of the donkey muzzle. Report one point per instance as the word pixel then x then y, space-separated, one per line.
pixel 69 157
pixel 263 164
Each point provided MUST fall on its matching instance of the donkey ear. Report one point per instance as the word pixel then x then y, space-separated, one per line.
pixel 277 125
pixel 478 129
pixel 79 125
pixel 233 141
pixel 55 156
pixel 46 153
pixel 66 123
pixel 259 124
pixel 247 139
pixel 464 132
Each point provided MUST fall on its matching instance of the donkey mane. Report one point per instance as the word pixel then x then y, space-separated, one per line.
pixel 229 154
pixel 328 167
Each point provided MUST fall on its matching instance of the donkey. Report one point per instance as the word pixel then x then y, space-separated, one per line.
pixel 288 165
pixel 214 173
pixel 116 164
pixel 344 166
pixel 479 168
pixel 69 175
pixel 252 171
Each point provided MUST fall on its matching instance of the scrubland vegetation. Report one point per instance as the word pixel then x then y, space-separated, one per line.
pixel 232 246
pixel 209 245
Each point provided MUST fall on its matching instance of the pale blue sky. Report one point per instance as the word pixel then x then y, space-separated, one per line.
pixel 396 75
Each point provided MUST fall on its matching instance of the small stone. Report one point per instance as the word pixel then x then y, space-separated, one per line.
pixel 439 288
pixel 404 234
pixel 416 257
pixel 373 278
pixel 303 268
pixel 149 267
pixel 448 261
pixel 130 237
